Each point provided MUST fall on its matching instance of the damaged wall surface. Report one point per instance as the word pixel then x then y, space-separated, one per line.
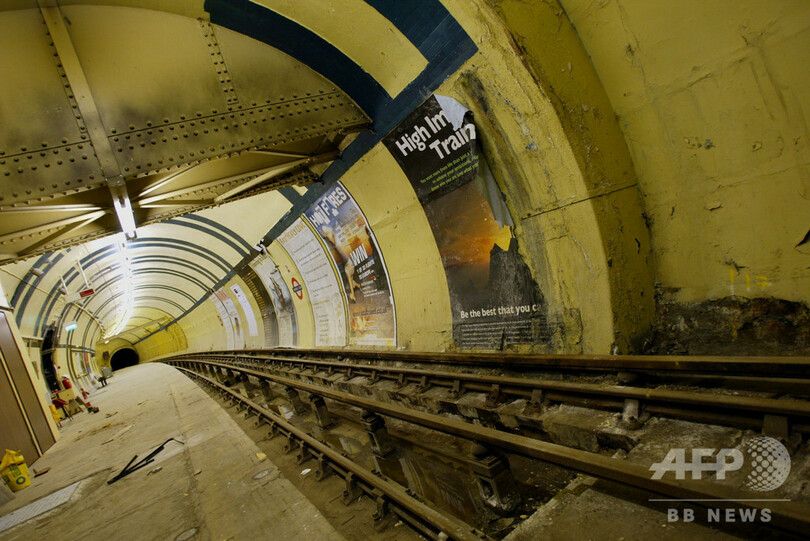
pixel 652 159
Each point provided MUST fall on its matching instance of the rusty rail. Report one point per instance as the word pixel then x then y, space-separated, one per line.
pixel 789 516
pixel 703 365
pixel 751 412
pixel 425 519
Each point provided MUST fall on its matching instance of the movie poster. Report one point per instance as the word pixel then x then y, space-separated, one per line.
pixel 279 293
pixel 345 232
pixel 322 285
pixel 493 297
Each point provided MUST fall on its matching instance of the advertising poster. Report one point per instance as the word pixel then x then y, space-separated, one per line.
pixel 345 232
pixel 283 306
pixel 319 278
pixel 224 320
pixel 494 299
pixel 232 315
pixel 253 330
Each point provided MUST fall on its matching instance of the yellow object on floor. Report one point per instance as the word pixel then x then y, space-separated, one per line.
pixel 14 470
pixel 56 415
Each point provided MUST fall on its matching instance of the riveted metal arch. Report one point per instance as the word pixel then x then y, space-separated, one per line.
pixel 21 304
pixel 23 285
pixel 149 298
pixel 183 246
pixel 224 229
pixel 154 117
pixel 210 232
pixel 179 261
pixel 113 281
pixel 176 274
pixel 47 308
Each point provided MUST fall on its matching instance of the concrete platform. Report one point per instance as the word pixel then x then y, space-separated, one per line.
pixel 205 488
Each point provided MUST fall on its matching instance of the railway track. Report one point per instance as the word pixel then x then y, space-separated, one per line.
pixel 774 414
pixel 754 373
pixel 325 376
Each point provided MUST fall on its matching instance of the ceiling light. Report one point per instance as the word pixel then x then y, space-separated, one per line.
pixel 123 209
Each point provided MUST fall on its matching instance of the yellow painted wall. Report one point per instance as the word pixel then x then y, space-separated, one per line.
pixel 712 98
pixel 393 61
pixel 418 282
pixel 643 147
pixel 549 131
pixel 417 277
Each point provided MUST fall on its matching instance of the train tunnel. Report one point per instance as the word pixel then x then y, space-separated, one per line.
pixel 123 358
pixel 330 207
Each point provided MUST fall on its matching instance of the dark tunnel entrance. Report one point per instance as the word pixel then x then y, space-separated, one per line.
pixel 123 358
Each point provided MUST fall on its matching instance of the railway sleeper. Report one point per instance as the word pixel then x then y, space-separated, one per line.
pixel 515 414
pixel 496 409
pixel 489 476
pixel 495 481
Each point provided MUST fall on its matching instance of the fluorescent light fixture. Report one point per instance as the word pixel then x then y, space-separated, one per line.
pixel 72 326
pixel 125 286
pixel 123 209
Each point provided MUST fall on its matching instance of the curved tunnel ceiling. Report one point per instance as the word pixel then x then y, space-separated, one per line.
pixel 151 113
pixel 166 113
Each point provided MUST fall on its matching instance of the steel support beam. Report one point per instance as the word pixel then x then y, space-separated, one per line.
pixel 88 109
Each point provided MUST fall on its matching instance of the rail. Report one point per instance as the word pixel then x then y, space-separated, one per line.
pixel 789 516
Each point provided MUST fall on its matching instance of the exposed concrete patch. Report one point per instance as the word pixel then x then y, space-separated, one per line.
pixel 595 516
pixel 731 326
pixel 587 429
